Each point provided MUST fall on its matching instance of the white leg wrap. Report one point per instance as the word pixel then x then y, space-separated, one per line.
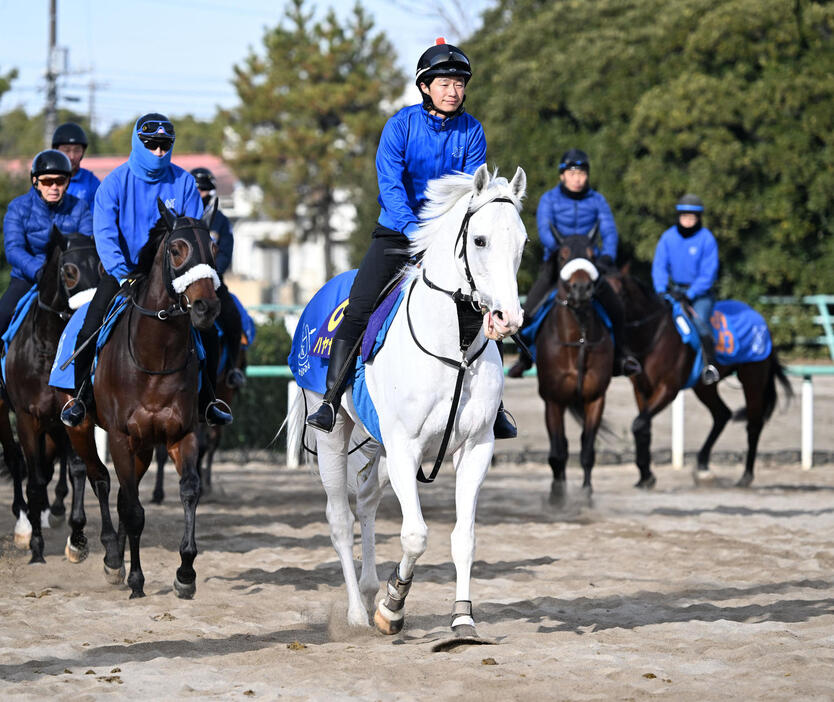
pixel 45 518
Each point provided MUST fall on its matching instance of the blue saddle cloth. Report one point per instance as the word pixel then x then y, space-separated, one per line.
pixel 530 332
pixel 741 335
pixel 313 338
pixel 20 311
pixel 65 379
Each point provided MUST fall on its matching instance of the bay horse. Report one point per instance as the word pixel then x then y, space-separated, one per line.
pixel 70 274
pixel 575 357
pixel 471 240
pixel 667 363
pixel 146 385
pixel 208 439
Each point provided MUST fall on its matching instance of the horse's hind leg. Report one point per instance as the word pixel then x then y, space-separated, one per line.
pixel 76 549
pixel 332 460
pixel 721 414
pixel 84 443
pixel 57 511
pixel 184 455
pixel 161 456
pixel 587 456
pixel 554 415
pixel 754 379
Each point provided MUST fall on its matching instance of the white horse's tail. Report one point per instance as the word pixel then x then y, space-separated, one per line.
pixel 296 416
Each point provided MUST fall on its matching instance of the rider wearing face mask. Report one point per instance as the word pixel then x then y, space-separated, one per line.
pixel 71 140
pixel 419 143
pixel 28 224
pixel 572 208
pixel 229 317
pixel 125 212
pixel 685 265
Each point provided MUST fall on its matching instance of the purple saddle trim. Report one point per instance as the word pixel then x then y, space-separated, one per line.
pixel 377 320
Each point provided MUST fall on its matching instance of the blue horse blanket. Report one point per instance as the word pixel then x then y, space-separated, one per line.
pixel 20 311
pixel 529 333
pixel 313 338
pixel 65 379
pixel 741 335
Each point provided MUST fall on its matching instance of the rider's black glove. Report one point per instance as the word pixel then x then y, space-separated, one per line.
pixel 605 264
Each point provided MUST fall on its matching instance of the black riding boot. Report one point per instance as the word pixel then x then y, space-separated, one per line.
pixel 625 363
pixel 215 412
pixel 710 373
pixel 338 372
pixel 502 427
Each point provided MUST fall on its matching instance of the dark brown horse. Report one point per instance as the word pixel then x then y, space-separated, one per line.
pixel 146 384
pixel 574 355
pixel 209 440
pixel 667 362
pixel 69 274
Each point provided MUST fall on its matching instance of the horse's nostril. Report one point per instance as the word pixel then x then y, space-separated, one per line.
pixel 499 314
pixel 200 305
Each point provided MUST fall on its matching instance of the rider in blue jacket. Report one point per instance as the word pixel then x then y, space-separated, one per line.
pixel 229 317
pixel 71 139
pixel 419 143
pixel 28 224
pixel 125 212
pixel 686 266
pixel 573 208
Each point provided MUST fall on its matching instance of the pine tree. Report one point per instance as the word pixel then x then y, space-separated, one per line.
pixel 310 114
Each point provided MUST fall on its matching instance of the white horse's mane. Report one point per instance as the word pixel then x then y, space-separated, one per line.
pixel 442 195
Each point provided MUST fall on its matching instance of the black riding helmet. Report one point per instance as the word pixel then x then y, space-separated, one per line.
pixel 51 161
pixel 442 59
pixel 574 158
pixel 205 179
pixel 69 133
pixel 690 203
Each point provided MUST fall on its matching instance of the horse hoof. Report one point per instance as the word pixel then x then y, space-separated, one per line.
pixel 388 623
pixel 114 576
pixel 21 540
pixel 464 631
pixel 746 480
pixel 55 519
pixel 557 494
pixel 157 499
pixel 703 476
pixel 646 483
pixel 185 591
pixel 37 558
pixel 136 594
pixel 73 554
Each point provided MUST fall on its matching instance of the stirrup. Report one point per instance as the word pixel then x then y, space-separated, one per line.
pixel 324 418
pixel 220 416
pixel 505 426
pixel 73 411
pixel 710 375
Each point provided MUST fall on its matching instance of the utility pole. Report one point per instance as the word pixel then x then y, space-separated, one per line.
pixel 51 76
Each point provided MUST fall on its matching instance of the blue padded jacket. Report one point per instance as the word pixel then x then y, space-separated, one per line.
pixel 572 217
pixel 690 261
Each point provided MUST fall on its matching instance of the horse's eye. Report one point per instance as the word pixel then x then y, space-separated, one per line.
pixel 479 241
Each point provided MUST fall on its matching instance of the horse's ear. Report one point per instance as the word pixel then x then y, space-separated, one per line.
pixel 481 180
pixel 593 235
pixel 56 238
pixel 518 184
pixel 167 215
pixel 209 212
pixel 557 234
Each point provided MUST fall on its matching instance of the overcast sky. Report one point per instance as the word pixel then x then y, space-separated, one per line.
pixel 171 56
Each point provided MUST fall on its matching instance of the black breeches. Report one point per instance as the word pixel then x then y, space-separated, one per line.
pixel 108 286
pixel 387 254
pixel 16 290
pixel 535 296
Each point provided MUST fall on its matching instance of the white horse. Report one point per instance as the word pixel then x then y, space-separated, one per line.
pixel 471 241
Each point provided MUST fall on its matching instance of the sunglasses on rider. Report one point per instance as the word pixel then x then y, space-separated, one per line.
pixel 154 144
pixel 448 56
pixel 155 127
pixel 49 182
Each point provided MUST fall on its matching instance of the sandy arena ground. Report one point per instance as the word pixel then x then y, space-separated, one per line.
pixel 684 593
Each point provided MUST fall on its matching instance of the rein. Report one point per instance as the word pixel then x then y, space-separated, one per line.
pixel 470 319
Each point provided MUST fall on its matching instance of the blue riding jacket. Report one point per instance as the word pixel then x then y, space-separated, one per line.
pixel 225 241
pixel 573 217
pixel 126 211
pixel 27 226
pixel 691 261
pixel 83 185
pixel 416 147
